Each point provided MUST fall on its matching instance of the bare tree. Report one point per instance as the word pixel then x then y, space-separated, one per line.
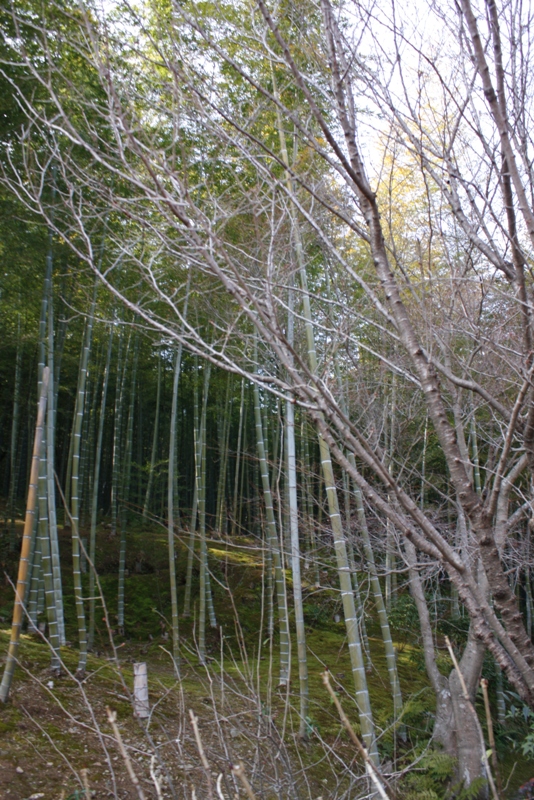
pixel 411 181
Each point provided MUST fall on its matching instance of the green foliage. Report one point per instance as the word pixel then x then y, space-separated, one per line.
pixel 317 616
pixel 456 628
pixel 519 730
pixel 471 792
pixel 431 777
pixel 403 617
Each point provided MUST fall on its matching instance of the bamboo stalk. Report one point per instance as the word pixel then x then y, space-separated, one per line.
pixel 112 719
pixel 197 446
pixel 10 507
pixel 274 543
pixel 75 488
pixel 96 486
pixel 340 548
pixel 154 444
pixel 368 761
pixel 295 545
pixel 125 487
pixel 26 543
pixel 170 489
pixel 46 566
pixel 201 477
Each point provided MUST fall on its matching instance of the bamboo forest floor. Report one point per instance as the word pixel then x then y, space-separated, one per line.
pixel 52 729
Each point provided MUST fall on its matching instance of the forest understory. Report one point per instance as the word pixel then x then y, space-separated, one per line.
pixel 56 742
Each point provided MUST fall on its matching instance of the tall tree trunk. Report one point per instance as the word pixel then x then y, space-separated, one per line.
pixel 456 726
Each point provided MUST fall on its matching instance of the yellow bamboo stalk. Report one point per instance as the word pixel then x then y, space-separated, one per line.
pixel 26 544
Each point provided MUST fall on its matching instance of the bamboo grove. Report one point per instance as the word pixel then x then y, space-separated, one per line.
pixel 275 263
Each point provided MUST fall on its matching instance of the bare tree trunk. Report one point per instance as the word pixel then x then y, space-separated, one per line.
pixel 456 727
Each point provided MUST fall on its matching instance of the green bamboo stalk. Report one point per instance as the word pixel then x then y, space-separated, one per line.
pixel 125 487
pixel 96 486
pixel 10 507
pixel 295 546
pixel 273 541
pixel 46 565
pixel 20 591
pixel 117 431
pixel 355 583
pixel 312 543
pixel 343 566
pixel 201 478
pixel 391 560
pixel 35 579
pixel 171 488
pixel 389 648
pixel 85 456
pixel 197 446
pixel 46 347
pixel 238 457
pixel 223 457
pixel 154 444
pixel 50 465
pixel 351 623
pixel 170 510
pixel 75 500
pixel 245 472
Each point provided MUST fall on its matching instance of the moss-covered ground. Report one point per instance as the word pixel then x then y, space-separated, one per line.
pixel 54 729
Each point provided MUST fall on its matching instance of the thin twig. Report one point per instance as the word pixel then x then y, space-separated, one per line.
pixel 467 699
pixel 155 779
pixel 205 762
pixel 369 764
pixel 112 717
pixel 219 787
pixel 491 737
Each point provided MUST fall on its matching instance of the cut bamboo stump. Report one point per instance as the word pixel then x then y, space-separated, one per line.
pixel 141 705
